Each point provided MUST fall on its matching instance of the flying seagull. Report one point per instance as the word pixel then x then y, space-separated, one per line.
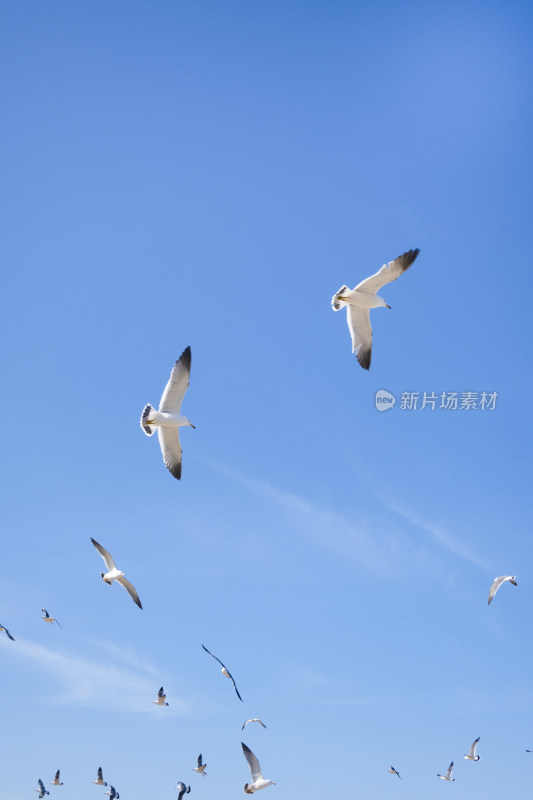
pixel 200 768
pixel 100 780
pixel 224 672
pixel 253 720
pixel 48 618
pixel 394 771
pixel 183 789
pixel 448 776
pixel 168 420
pixel 161 697
pixel 472 754
pixel 56 781
pixel 497 582
pixel 114 574
pixel 2 628
pixel 42 791
pixel 258 782
pixel 113 794
pixel 360 300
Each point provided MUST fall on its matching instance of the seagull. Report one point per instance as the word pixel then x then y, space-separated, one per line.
pixel 112 793
pixel 394 771
pixel 258 782
pixel 183 789
pixel 224 672
pixel 2 628
pixel 42 791
pixel 56 781
pixel 168 420
pixel 100 780
pixel 161 697
pixel 114 574
pixel 253 720
pixel 201 767
pixel 48 618
pixel 448 776
pixel 497 582
pixel 360 300
pixel 472 754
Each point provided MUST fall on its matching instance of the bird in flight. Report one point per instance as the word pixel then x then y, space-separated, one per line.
pixel 161 697
pixel 253 720
pixel 167 420
pixel 42 791
pixel 497 582
pixel 3 628
pixel 448 776
pixel 472 754
pixel 113 794
pixel 360 300
pixel 48 618
pixel 183 789
pixel 258 782
pixel 56 781
pixel 200 768
pixel 100 778
pixel 394 771
pixel 225 671
pixel 114 574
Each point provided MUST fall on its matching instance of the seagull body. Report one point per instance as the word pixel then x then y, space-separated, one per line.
pixel 42 791
pixel 258 782
pixel 224 672
pixel 161 697
pixel 48 618
pixel 394 771
pixel 56 781
pixel 497 582
pixel 183 789
pixel 113 794
pixel 168 420
pixel 253 720
pixel 200 768
pixel 362 298
pixel 114 574
pixel 448 776
pixel 472 754
pixel 100 779
pixel 2 628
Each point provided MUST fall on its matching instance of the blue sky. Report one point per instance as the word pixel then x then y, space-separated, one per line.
pixel 209 174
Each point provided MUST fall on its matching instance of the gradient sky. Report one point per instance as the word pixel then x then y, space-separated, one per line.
pixel 209 174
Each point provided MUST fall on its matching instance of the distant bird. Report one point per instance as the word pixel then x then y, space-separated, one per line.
pixel 497 582
pixel 472 754
pixel 114 574
pixel 2 628
pixel 100 780
pixel 168 420
pixel 360 300
pixel 258 782
pixel 183 789
pixel 253 720
pixel 200 768
pixel 48 618
pixel 161 697
pixel 225 672
pixel 42 791
pixel 394 771
pixel 448 776
pixel 56 781
pixel 113 794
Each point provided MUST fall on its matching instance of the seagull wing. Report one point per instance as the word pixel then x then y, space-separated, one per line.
pixel 108 558
pixel 450 770
pixel 388 272
pixel 235 686
pixel 253 763
pixel 472 752
pixel 40 784
pixel 213 656
pixel 7 633
pixel 178 383
pixel 497 582
pixel 200 760
pixel 130 588
pixel 169 441
pixel 361 333
pixel 58 622
pixel 57 775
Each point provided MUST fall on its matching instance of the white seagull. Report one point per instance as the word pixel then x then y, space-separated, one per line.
pixel 360 300
pixel 200 768
pixel 394 771
pixel 42 791
pixel 497 582
pixel 448 776
pixel 183 789
pixel 113 794
pixel 472 754
pixel 3 628
pixel 224 671
pixel 48 618
pixel 258 782
pixel 253 720
pixel 114 574
pixel 100 779
pixel 161 697
pixel 56 781
pixel 168 420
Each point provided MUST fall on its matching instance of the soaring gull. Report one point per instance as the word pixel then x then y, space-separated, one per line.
pixel 161 697
pixel 360 300
pixel 100 779
pixel 448 776
pixel 394 771
pixel 112 792
pixel 200 768
pixel 114 574
pixel 253 720
pixel 224 671
pixel 3 628
pixel 48 618
pixel 42 791
pixel 168 420
pixel 497 582
pixel 56 781
pixel 258 782
pixel 472 754
pixel 183 789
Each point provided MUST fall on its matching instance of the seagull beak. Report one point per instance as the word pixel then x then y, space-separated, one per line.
pixel 387 305
pixel 193 426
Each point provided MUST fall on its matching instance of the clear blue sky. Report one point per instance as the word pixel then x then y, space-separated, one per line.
pixel 209 174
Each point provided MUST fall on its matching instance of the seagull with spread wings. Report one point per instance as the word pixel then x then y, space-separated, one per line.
pixel 394 771
pixel 48 618
pixel 200 768
pixel 3 628
pixel 183 789
pixel 497 582
pixel 365 296
pixel 224 671
pixel 114 574
pixel 448 776
pixel 253 720
pixel 112 792
pixel 161 698
pixel 100 778
pixel 42 791
pixel 472 754
pixel 258 782
pixel 56 781
pixel 167 420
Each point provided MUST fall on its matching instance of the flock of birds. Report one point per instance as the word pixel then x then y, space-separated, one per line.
pixel 167 420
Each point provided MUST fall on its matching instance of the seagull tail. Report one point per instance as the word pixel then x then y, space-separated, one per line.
pixel 148 429
pixel 337 304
